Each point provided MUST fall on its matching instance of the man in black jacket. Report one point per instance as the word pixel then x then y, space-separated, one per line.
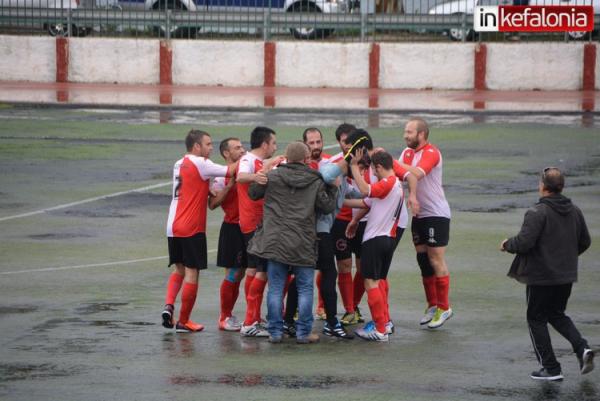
pixel 552 237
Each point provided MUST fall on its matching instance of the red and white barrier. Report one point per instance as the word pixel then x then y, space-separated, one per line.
pixel 441 66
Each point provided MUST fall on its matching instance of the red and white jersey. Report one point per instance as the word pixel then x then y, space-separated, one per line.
pixel 385 201
pixel 325 158
pixel 187 214
pixel 230 203
pixel 345 213
pixel 430 192
pixel 251 212
pixel 371 178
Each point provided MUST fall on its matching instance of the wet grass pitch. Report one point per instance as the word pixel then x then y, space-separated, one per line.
pixel 80 318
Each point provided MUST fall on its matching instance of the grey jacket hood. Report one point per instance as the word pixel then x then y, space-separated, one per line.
pixel 559 203
pixel 299 175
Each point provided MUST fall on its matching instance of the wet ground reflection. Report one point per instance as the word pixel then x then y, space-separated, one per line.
pixel 274 381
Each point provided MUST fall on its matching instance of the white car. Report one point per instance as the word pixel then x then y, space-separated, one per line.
pixel 459 7
pixel 247 6
pixel 56 25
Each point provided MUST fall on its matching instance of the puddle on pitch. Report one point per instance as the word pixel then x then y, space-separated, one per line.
pixel 91 308
pixel 51 236
pixel 17 309
pixel 272 381
pixel 23 371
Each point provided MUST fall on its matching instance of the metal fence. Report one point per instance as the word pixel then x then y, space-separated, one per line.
pixel 322 20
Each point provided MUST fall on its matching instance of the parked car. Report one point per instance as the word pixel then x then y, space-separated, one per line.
pixel 459 7
pixel 249 6
pixel 56 24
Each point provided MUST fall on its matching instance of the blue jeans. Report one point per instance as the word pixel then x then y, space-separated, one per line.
pixel 278 274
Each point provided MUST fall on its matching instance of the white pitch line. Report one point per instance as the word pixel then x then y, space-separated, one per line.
pixel 120 262
pixel 81 202
pixel 330 146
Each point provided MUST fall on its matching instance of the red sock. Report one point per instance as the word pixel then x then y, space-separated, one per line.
pixel 254 301
pixel 345 285
pixel 442 285
pixel 321 304
pixel 377 306
pixel 188 298
pixel 227 299
pixel 247 284
pixel 429 284
pixel 383 287
pixel 359 288
pixel 173 287
pixel 235 295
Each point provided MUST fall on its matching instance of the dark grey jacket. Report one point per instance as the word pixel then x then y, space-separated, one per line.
pixel 552 237
pixel 293 195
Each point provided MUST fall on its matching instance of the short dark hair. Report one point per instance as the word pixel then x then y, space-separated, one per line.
pixel 344 128
pixel 260 135
pixel 224 145
pixel 194 136
pixel 358 134
pixel 384 159
pixel 311 129
pixel 553 180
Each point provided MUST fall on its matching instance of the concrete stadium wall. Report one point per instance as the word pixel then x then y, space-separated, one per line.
pixel 217 63
pixel 317 65
pixel 441 66
pixel 24 58
pixel 123 61
pixel 424 66
pixel 528 66
pixel 597 75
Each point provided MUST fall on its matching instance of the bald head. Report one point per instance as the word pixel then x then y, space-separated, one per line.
pixel 297 152
pixel 553 180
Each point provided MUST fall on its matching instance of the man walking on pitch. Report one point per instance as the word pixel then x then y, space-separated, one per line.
pixel 551 239
pixel 186 226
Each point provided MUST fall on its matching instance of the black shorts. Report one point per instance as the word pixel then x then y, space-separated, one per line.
pixel 232 250
pixel 344 247
pixel 189 251
pixel 325 252
pixel 377 254
pixel 398 237
pixel 254 262
pixel 431 231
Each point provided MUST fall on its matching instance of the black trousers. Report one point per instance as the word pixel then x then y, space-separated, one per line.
pixel 326 264
pixel 547 304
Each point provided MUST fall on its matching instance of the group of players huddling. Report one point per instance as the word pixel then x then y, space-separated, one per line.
pixel 368 223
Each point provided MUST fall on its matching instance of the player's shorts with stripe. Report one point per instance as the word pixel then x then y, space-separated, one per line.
pixel 189 251
pixel 325 252
pixel 232 248
pixel 376 259
pixel 345 247
pixel 260 264
pixel 430 231
pixel 398 237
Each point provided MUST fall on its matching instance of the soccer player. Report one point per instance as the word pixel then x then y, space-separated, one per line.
pixel 344 246
pixel 313 138
pixel 231 252
pixel 431 227
pixel 384 199
pixel 186 226
pixel 252 168
pixel 360 139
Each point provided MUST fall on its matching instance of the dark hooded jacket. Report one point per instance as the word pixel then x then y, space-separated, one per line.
pixel 552 237
pixel 293 195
